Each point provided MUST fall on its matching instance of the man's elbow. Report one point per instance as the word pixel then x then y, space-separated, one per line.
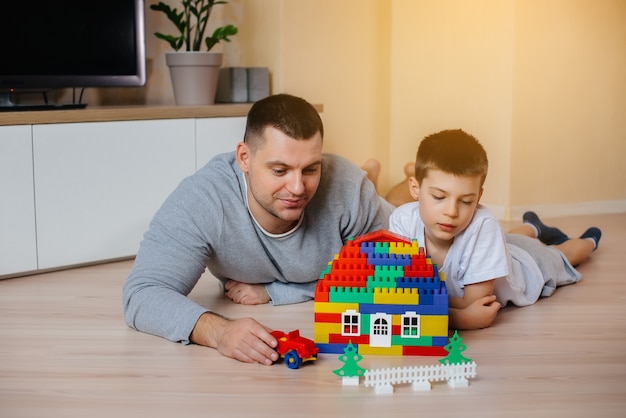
pixel 129 306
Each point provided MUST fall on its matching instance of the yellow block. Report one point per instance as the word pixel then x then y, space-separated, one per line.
pixel 334 307
pixel 402 248
pixel 396 296
pixel 321 331
pixel 434 325
pixel 366 349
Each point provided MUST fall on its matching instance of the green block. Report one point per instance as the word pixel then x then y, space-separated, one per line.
pixel 388 272
pixel 365 324
pixel 325 271
pixel 350 295
pixel 381 248
pixel 412 342
pixel 381 282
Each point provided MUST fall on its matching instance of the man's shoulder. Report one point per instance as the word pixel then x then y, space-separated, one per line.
pixel 219 173
pixel 223 160
pixel 342 179
pixel 340 169
pixel 337 160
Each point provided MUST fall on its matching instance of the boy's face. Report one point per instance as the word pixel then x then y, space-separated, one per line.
pixel 447 203
pixel 283 174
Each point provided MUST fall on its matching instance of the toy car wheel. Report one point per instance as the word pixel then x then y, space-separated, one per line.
pixel 292 360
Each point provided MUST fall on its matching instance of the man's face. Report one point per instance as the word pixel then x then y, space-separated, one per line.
pixel 283 175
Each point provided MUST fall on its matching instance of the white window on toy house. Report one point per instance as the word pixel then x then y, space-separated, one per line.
pixel 351 323
pixel 410 325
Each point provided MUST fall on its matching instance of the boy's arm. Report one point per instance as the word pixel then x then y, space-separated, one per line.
pixel 476 309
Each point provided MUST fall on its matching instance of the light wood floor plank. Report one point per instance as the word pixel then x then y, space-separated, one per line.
pixel 65 351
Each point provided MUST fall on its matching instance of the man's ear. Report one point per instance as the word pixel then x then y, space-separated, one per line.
pixel 414 188
pixel 242 154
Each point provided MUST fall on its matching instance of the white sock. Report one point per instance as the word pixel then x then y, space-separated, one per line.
pixel 533 227
pixel 595 243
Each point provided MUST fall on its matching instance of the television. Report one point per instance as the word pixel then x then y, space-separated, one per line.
pixel 47 45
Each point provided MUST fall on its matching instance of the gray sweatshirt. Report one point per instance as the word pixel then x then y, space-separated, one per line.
pixel 205 223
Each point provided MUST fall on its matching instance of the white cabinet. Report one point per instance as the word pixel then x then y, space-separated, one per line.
pixel 18 247
pixel 98 184
pixel 85 191
pixel 217 135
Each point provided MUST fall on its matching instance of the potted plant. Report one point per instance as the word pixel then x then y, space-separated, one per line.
pixel 195 69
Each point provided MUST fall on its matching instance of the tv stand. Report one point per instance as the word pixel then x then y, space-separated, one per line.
pixel 31 107
pixel 7 105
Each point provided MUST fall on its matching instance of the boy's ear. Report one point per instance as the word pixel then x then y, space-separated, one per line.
pixel 414 188
pixel 480 194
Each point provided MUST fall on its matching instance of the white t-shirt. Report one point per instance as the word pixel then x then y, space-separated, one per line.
pixel 478 254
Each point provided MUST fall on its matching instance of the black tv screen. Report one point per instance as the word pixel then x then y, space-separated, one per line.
pixel 71 43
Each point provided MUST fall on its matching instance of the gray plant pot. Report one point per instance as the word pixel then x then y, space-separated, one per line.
pixel 194 76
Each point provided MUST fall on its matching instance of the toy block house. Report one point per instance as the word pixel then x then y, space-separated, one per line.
pixel 382 294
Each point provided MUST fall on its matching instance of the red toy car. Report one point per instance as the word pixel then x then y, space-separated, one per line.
pixel 294 348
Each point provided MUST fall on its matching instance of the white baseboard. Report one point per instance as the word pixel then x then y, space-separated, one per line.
pixel 603 207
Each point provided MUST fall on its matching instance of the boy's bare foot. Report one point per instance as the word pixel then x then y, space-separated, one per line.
pixel 409 169
pixel 400 194
pixel 372 168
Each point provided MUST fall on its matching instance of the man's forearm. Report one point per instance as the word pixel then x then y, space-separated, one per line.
pixel 207 328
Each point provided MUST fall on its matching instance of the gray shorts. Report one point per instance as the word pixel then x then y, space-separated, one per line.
pixel 554 266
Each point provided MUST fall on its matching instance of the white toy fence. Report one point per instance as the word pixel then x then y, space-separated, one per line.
pixel 420 377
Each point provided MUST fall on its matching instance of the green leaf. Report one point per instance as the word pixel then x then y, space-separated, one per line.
pixel 192 23
pixel 220 34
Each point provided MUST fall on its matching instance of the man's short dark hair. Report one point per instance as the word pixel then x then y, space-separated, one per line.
pixel 293 116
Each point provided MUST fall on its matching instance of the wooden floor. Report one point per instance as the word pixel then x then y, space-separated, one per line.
pixel 65 351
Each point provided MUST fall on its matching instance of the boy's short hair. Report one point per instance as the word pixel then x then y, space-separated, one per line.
pixel 293 116
pixel 451 151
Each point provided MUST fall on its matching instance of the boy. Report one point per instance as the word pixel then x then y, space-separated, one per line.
pixel 484 268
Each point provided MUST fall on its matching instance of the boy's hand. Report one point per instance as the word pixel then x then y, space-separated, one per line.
pixel 246 294
pixel 242 339
pixel 478 314
pixel 484 310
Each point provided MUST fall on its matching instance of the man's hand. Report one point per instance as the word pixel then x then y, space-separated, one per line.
pixel 242 339
pixel 246 294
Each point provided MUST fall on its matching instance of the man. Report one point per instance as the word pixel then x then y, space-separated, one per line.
pixel 264 219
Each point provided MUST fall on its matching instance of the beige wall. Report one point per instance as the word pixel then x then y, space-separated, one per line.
pixel 541 83
pixel 569 124
pixel 453 68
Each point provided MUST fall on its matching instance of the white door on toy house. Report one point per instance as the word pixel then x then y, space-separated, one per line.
pixel 380 330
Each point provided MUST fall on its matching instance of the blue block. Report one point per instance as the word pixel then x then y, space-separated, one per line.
pixel 368 249
pixel 380 260
pixel 426 309
pixel 440 341
pixel 332 348
pixel 372 308
pixel 426 297
pixel 440 297
pixel 419 282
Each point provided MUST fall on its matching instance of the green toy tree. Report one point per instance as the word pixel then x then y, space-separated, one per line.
pixel 454 348
pixel 350 358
